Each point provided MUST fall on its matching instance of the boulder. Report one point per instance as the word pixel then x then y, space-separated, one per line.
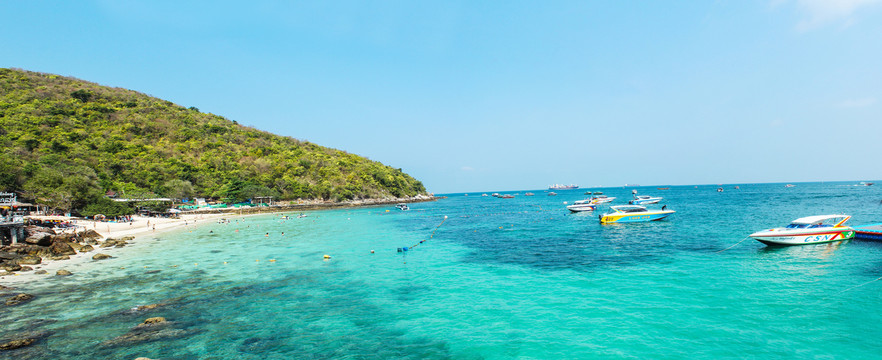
pixel 41 272
pixel 62 257
pixel 61 248
pixel 86 248
pixel 89 235
pixel 18 299
pixel 63 272
pixel 17 343
pixel 101 256
pixel 127 238
pixel 26 268
pixel 29 260
pixel 39 238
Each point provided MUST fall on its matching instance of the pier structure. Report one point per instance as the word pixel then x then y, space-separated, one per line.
pixel 868 232
pixel 11 224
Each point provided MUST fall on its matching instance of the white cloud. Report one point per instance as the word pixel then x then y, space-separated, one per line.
pixel 823 12
pixel 857 103
pixel 467 168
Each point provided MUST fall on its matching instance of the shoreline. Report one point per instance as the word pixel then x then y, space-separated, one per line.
pixel 141 226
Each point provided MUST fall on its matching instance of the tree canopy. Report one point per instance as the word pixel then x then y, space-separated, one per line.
pixel 65 142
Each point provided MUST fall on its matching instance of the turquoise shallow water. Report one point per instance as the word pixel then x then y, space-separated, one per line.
pixel 500 279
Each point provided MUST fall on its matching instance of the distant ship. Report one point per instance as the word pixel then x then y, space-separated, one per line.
pixel 563 187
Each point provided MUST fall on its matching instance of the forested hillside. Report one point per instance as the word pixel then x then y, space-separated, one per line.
pixel 66 142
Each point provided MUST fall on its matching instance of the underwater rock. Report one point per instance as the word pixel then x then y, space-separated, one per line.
pixel 41 272
pixel 17 343
pixel 18 299
pixel 152 329
pixel 5 288
pixel 101 256
pixel 63 272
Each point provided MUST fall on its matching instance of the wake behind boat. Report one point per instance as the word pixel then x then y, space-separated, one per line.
pixel 808 230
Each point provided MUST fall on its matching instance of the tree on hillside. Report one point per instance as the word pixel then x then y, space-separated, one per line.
pixel 178 189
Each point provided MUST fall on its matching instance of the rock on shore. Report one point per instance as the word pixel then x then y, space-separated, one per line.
pixel 42 243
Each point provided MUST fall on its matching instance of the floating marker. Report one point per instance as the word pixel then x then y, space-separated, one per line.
pixel 327 256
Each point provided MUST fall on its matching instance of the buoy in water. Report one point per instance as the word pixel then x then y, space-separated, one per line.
pixel 327 256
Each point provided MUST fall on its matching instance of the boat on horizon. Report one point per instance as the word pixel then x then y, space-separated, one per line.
pixel 864 183
pixel 552 193
pixel 808 230
pixel 633 213
pixel 562 187
pixel 529 194
pixel 789 185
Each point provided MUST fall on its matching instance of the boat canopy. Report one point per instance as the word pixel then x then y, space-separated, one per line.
pixel 818 219
pixel 628 208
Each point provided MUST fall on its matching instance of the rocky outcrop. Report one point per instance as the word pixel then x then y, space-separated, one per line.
pixel 63 272
pixel 41 272
pixel 100 256
pixel 10 267
pixel 61 248
pixel 86 248
pixel 29 260
pixel 19 299
pixel 39 238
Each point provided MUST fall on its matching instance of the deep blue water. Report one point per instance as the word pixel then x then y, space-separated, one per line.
pixel 499 279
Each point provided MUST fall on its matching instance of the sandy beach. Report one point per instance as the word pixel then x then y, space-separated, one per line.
pixel 139 227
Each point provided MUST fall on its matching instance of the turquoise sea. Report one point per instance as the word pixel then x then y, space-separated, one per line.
pixel 500 279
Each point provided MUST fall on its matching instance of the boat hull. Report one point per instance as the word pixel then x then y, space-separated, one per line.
pixel 803 237
pixel 580 208
pixel 636 217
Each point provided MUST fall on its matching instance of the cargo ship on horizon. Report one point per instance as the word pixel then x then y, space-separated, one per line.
pixel 563 187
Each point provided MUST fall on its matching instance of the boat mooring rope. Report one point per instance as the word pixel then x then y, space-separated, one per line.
pixel 736 244
pixel 404 249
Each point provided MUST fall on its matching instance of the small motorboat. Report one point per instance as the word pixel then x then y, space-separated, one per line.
pixel 644 199
pixel 633 213
pixel 789 185
pixel 582 205
pixel 808 230
pixel 552 193
pixel 719 189
pixel 483 194
pixel 602 199
pixel 507 196
pixel 402 207
pixel 529 194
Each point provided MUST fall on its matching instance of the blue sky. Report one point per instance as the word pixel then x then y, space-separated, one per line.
pixel 493 95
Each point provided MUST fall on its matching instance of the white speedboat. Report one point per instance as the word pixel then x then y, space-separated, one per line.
pixel 644 200
pixel 602 199
pixel 582 205
pixel 402 206
pixel 633 213
pixel 808 230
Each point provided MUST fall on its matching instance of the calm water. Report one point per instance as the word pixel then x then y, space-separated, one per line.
pixel 500 279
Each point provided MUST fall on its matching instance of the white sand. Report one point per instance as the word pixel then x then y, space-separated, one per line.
pixel 140 226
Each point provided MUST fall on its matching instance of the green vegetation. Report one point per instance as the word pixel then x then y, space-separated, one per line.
pixel 64 142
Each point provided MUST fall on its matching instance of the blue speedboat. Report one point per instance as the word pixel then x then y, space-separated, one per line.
pixel 633 213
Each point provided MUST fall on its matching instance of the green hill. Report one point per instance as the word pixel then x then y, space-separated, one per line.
pixel 65 142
